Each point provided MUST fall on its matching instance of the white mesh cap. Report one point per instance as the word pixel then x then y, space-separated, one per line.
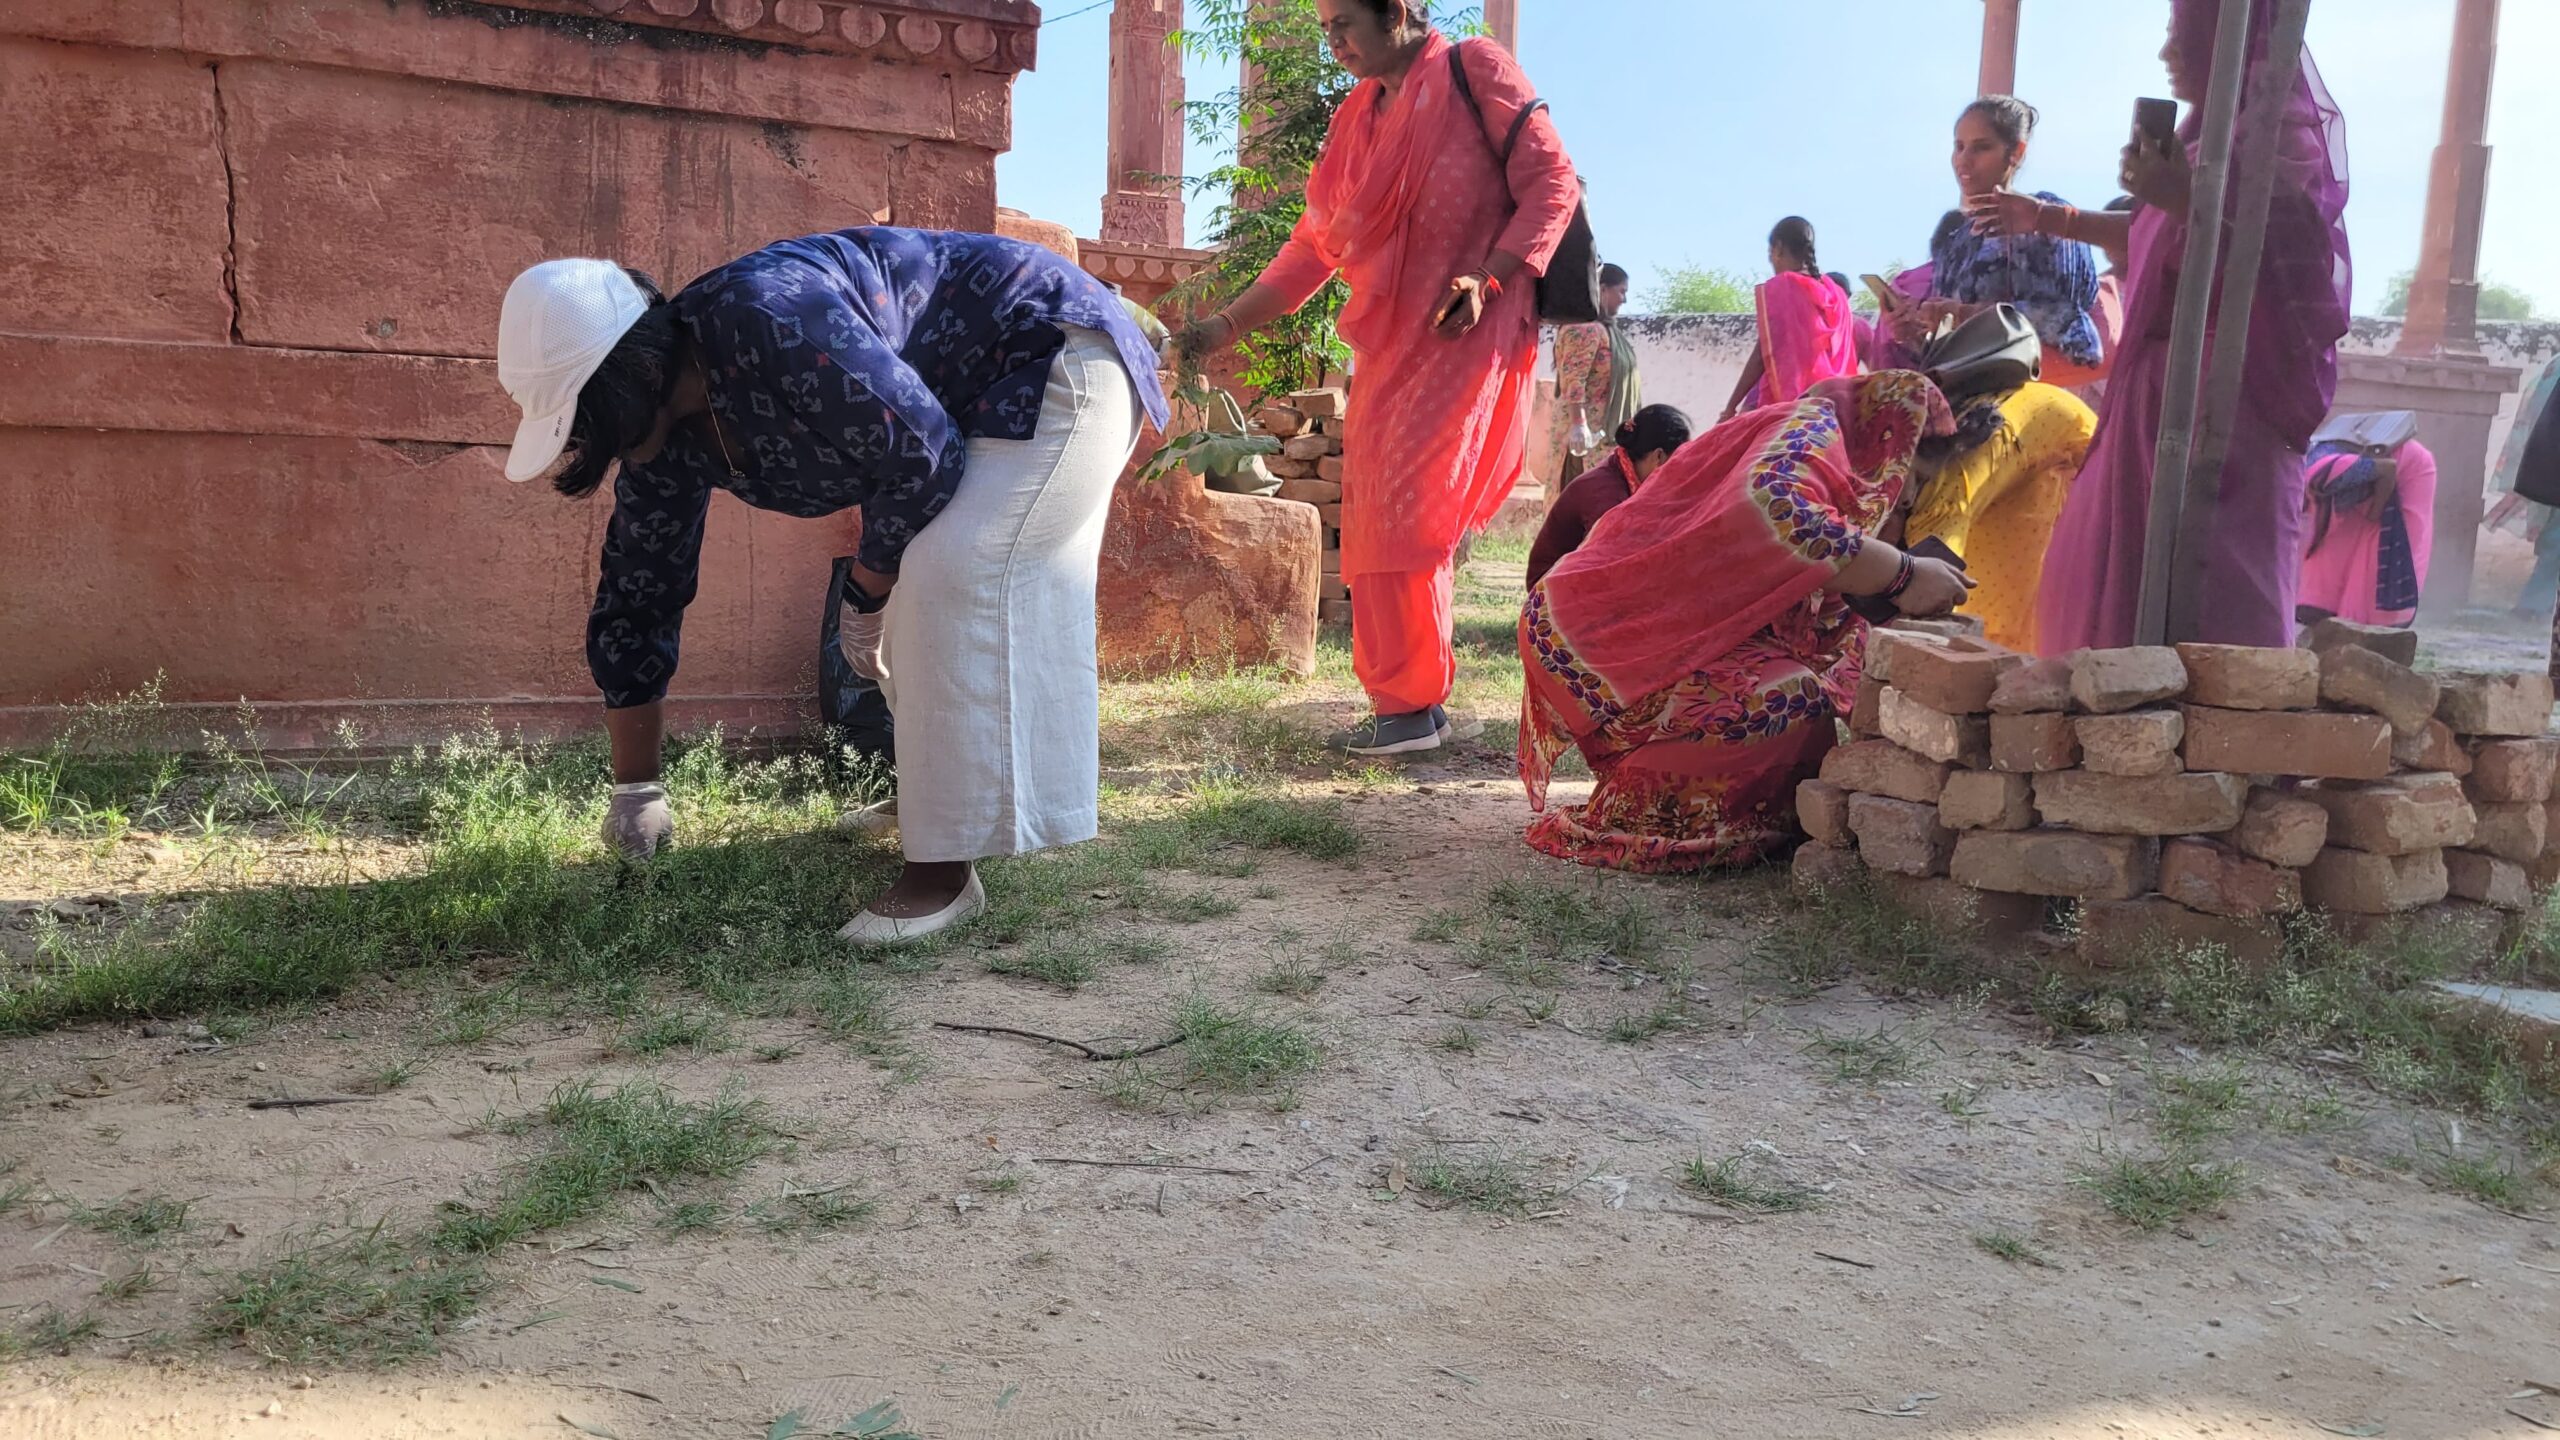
pixel 560 320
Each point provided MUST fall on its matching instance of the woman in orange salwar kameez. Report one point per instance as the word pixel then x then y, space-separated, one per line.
pixel 1441 245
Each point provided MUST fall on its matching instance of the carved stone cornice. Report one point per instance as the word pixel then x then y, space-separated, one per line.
pixel 996 35
pixel 1140 266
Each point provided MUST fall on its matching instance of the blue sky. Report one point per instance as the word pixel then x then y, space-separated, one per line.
pixel 1700 122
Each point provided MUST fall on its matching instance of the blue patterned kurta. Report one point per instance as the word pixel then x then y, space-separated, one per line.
pixel 848 369
pixel 2053 282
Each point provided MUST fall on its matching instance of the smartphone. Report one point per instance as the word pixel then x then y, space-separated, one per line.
pixel 1888 298
pixel 2155 123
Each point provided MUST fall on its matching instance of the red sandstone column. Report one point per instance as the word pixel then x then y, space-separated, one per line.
pixel 1502 17
pixel 1144 202
pixel 2444 300
pixel 1999 48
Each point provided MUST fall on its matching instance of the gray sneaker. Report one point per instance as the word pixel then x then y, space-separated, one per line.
pixel 1389 735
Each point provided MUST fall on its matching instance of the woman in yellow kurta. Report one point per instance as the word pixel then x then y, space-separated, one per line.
pixel 1996 502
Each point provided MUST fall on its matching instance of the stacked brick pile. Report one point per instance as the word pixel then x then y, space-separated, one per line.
pixel 1308 426
pixel 2190 794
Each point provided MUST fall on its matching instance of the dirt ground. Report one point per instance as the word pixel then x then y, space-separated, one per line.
pixel 1297 1282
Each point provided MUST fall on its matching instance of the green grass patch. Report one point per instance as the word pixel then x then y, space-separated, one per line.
pixel 695 1030
pixel 357 1296
pixel 1494 1182
pixel 2014 1248
pixel 2492 1180
pixel 602 1144
pixel 134 1220
pixel 1734 1182
pixel 2157 1191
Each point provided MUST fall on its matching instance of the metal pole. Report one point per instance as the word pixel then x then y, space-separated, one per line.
pixel 2187 330
pixel 2263 121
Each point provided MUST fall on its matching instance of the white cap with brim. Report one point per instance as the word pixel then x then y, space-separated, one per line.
pixel 560 320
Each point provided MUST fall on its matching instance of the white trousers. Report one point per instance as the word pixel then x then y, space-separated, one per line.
pixel 988 637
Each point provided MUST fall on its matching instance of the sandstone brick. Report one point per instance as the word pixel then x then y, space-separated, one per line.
pixel 1885 647
pixel 1954 627
pixel 1318 404
pixel 2512 832
pixel 1282 421
pixel 2055 862
pixel 2450 926
pixel 1957 677
pixel 1880 767
pixel 2354 678
pixel 2194 803
pixel 2217 880
pixel 2512 772
pixel 1309 448
pixel 2399 816
pixel 2106 681
pixel 1986 800
pixel 2472 875
pixel 1331 469
pixel 2136 934
pixel 1867 710
pixel 1899 836
pixel 2432 746
pixel 2317 745
pixel 2359 882
pixel 1925 730
pixel 1820 869
pixel 2281 829
pixel 1822 808
pixel 2250 677
pixel 1957 909
pixel 2034 744
pixel 2035 688
pixel 1284 468
pixel 2140 742
pixel 1310 492
pixel 2322 637
pixel 2475 704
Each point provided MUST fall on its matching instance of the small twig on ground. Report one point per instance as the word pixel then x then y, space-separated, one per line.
pixel 1134 1165
pixel 306 1104
pixel 2529 1420
pixel 1310 1165
pixel 1844 1260
pixel 1455 1374
pixel 1089 1052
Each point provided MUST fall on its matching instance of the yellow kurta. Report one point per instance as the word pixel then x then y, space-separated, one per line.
pixel 1996 506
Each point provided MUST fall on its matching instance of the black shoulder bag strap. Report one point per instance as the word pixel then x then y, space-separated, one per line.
pixel 1467 92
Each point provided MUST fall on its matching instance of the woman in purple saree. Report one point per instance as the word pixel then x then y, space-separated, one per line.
pixel 2093 571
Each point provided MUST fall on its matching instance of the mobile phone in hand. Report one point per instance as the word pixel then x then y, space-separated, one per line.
pixel 2155 123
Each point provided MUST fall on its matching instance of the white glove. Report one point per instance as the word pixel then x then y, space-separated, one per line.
pixel 637 823
pixel 858 637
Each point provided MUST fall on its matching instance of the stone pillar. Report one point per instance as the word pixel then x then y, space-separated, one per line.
pixel 1999 48
pixel 2444 300
pixel 1502 17
pixel 1143 204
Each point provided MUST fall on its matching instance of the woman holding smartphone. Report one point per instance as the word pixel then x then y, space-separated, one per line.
pixel 2092 580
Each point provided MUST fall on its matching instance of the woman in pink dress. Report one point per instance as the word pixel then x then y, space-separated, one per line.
pixel 2249 572
pixel 1808 334
pixel 2372 502
pixel 1442 244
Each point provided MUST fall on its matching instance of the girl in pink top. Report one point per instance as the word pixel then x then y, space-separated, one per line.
pixel 1807 332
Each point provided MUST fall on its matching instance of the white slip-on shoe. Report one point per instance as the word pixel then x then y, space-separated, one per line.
pixel 879 821
pixel 866 928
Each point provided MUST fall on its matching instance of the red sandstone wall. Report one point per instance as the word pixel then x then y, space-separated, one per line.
pixel 249 284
